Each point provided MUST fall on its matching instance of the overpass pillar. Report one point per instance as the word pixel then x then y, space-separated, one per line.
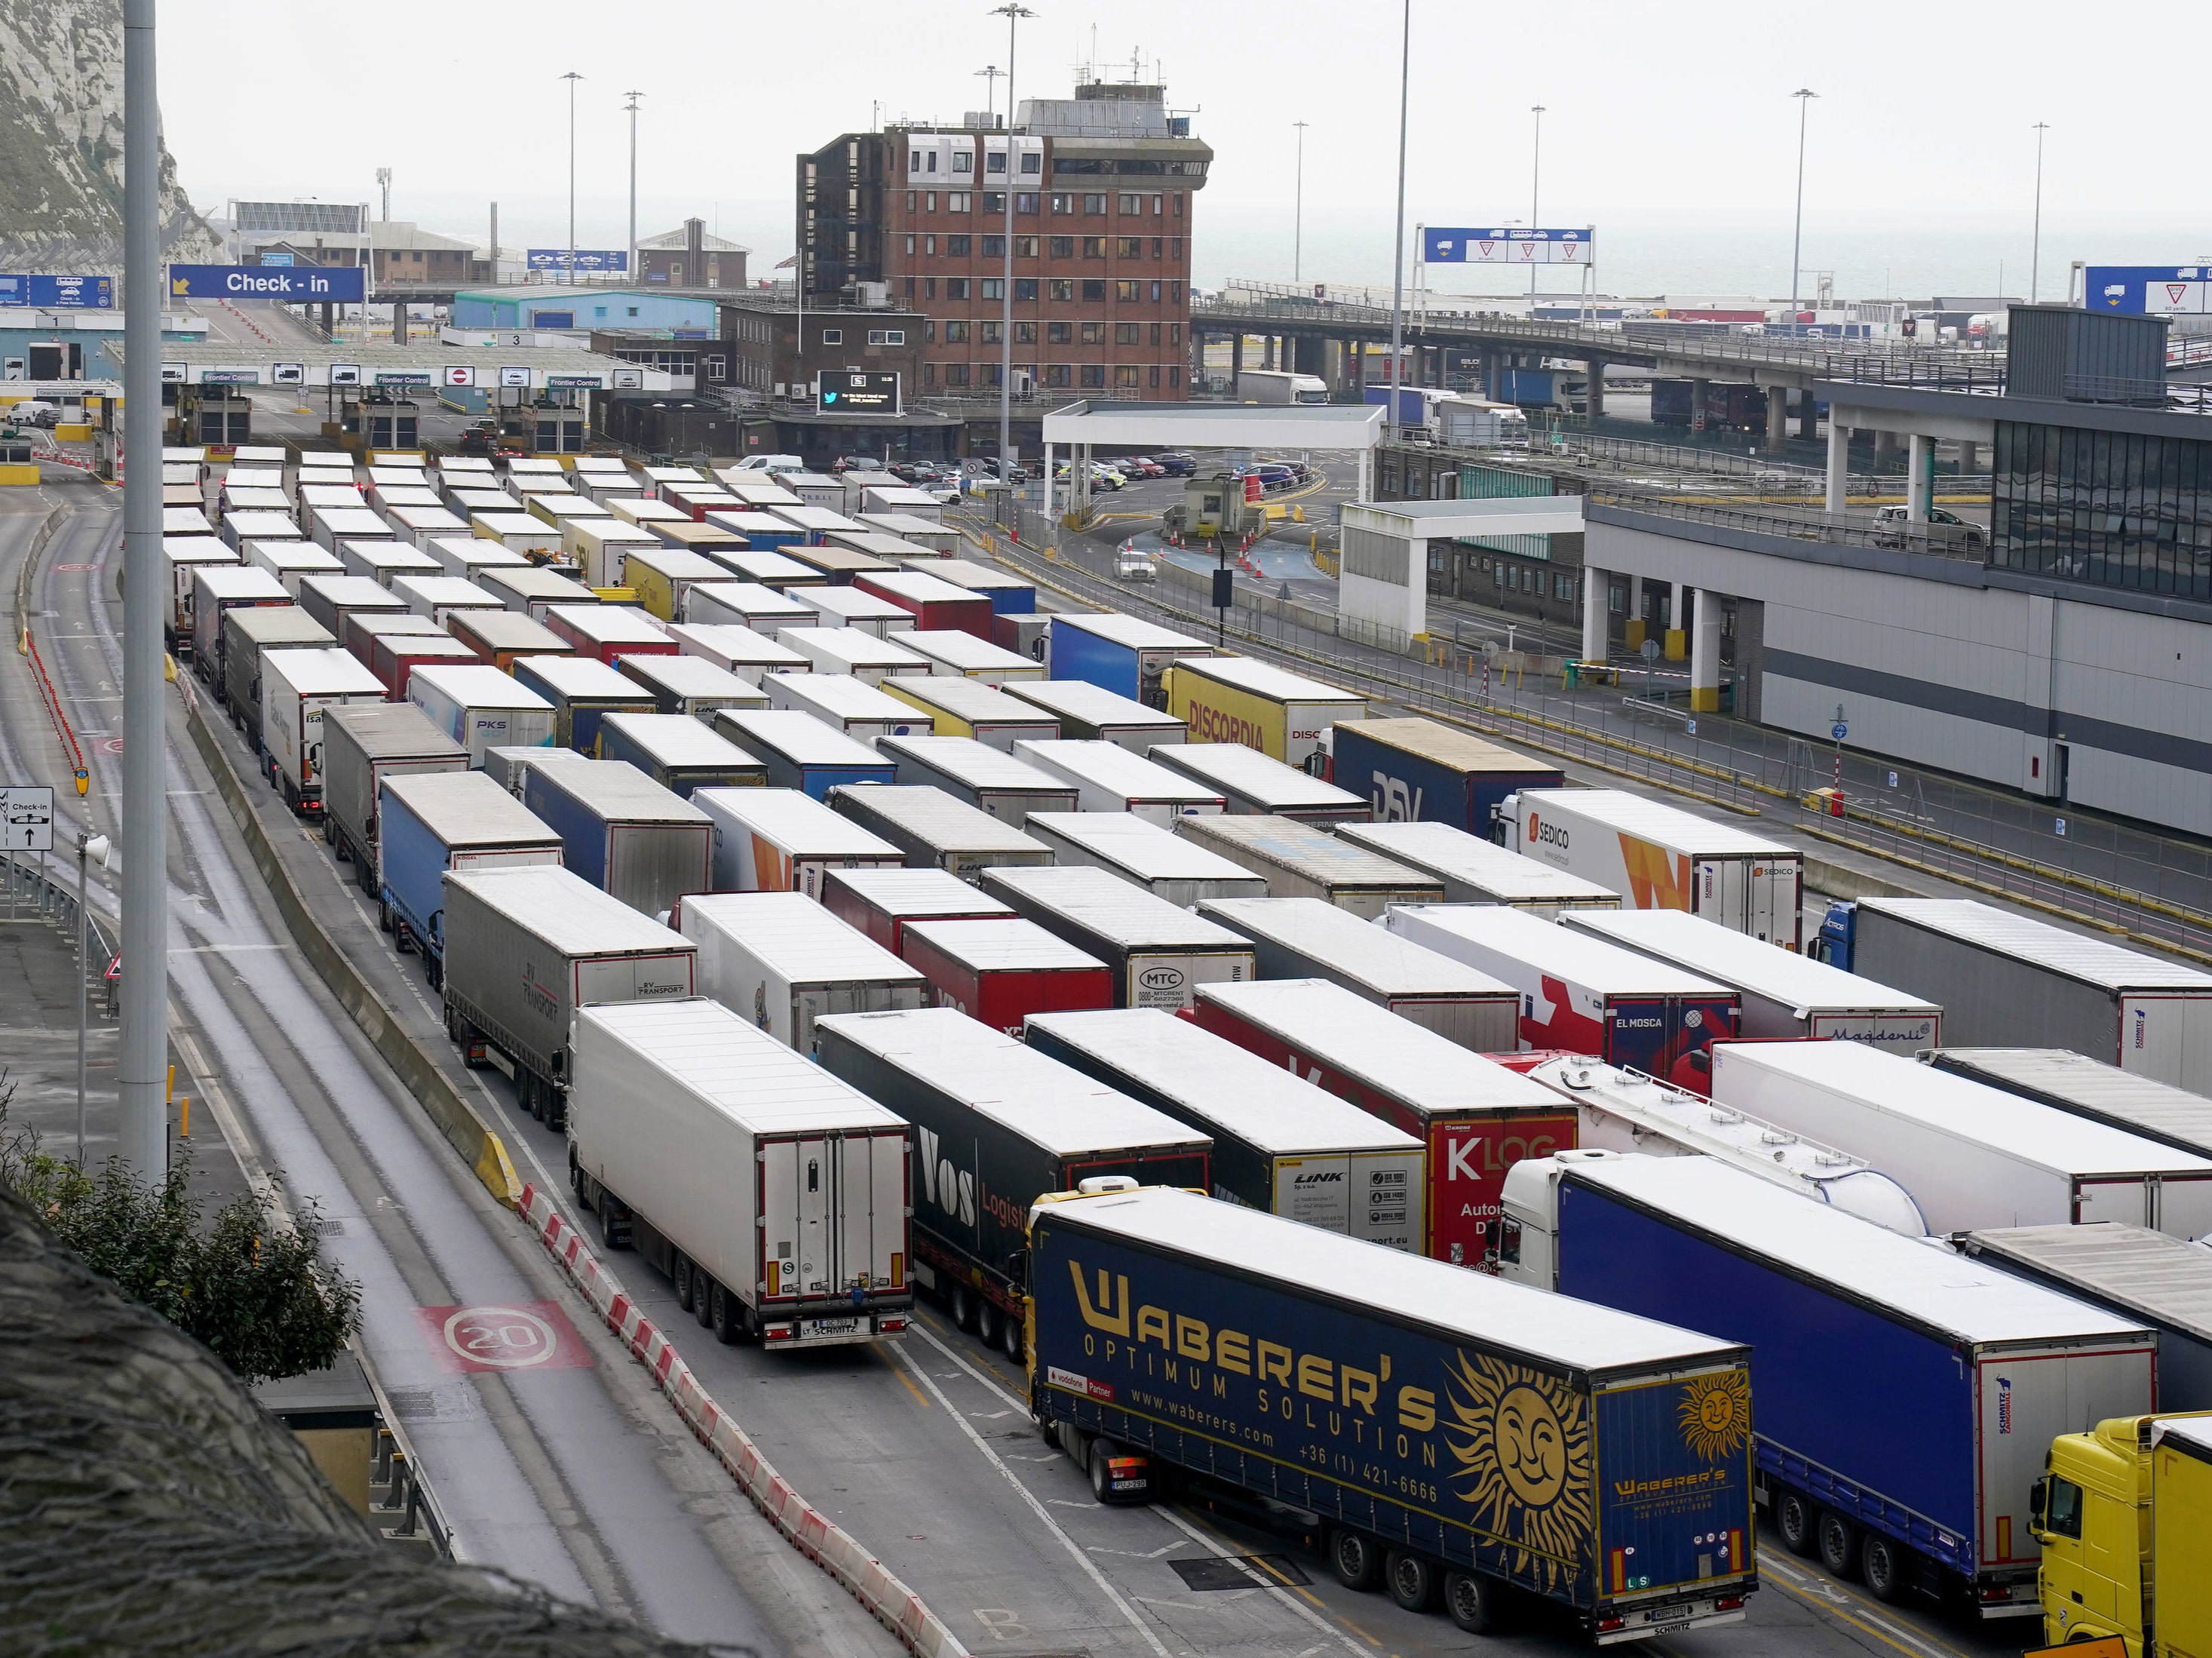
pixel 1597 588
pixel 1885 445
pixel 1705 653
pixel 1970 457
pixel 1777 416
pixel 1676 641
pixel 1236 359
pixel 1919 477
pixel 399 322
pixel 1808 414
pixel 1358 374
pixel 1839 465
pixel 1595 371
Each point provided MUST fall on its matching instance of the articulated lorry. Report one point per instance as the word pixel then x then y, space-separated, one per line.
pixel 2123 1516
pixel 1904 1395
pixel 773 1196
pixel 1445 1434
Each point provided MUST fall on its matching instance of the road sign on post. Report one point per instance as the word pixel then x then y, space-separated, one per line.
pixel 1511 245
pixel 27 817
pixel 297 285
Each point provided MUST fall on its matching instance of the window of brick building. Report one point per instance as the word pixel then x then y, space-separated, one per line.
pixel 1025 288
pixel 1156 293
pixel 1094 248
pixel 964 160
pixel 1125 375
pixel 993 335
pixel 1177 200
pixel 955 247
pixel 995 161
pixel 994 204
pixel 1094 201
pixel 1032 161
pixel 1175 374
pixel 833 336
pixel 1062 202
pixel 1056 374
pixel 995 247
pixel 958 201
pixel 955 332
pixel 1025 201
pixel 1058 334
pixel 929 246
pixel 994 288
pixel 929 287
pixel 1025 333
pixel 929 374
pixel 1156 246
pixel 1093 374
pixel 1094 289
pixel 1063 247
pixel 909 242
pixel 956 374
pixel 1132 203
pixel 1155 333
pixel 1025 248
pixel 1129 248
pixel 956 288
pixel 1063 288
pixel 1094 334
pixel 909 201
pixel 1156 377
pixel 1174 248
pixel 1127 290
pixel 1125 333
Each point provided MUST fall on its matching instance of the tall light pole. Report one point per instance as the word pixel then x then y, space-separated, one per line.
pixel 1398 250
pixel 142 1064
pixel 1535 182
pixel 990 74
pixel 384 186
pixel 2035 258
pixel 1298 207
pixel 572 77
pixel 1013 11
pixel 632 107
pixel 1804 96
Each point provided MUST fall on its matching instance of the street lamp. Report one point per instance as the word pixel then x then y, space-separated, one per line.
pixel 1398 250
pixel 572 77
pixel 1014 12
pixel 1535 182
pixel 2035 258
pixel 1804 96
pixel 1298 206
pixel 632 107
pixel 990 75
pixel 90 849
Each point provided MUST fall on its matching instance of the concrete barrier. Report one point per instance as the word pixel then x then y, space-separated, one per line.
pixel 464 1127
pixel 809 1531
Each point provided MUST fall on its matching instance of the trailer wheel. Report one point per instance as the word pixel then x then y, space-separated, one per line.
pixel 1010 1338
pixel 579 1183
pixel 703 1297
pixel 679 1274
pixel 1411 1580
pixel 963 1306
pixel 722 1312
pixel 987 1321
pixel 1795 1519
pixel 1887 1567
pixel 1355 1558
pixel 384 916
pixel 614 1223
pixel 1839 1545
pixel 331 835
pixel 1470 1600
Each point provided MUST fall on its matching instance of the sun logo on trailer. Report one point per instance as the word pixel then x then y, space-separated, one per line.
pixel 1522 1444
pixel 1714 1414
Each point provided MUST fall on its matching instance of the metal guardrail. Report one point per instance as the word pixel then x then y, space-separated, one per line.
pixel 1838 529
pixel 37 891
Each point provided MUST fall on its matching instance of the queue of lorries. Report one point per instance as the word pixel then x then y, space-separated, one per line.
pixel 1477 1173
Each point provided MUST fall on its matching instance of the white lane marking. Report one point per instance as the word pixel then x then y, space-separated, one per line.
pixel 1075 1550
pixel 1823 1589
pixel 1286 1596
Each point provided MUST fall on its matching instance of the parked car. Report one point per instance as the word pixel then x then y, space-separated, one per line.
pixel 1177 464
pixel 1141 467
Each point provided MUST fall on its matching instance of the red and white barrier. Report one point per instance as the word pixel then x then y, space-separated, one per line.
pixel 891 1602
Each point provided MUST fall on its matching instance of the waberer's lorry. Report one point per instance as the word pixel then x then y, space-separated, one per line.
pixel 1443 1434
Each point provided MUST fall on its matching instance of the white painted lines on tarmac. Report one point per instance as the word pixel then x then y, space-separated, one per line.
pixel 1842 1603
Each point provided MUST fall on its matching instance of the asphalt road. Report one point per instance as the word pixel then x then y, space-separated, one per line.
pixel 574 1475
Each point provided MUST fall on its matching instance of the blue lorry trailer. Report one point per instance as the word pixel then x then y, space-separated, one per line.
pixel 1445 1434
pixel 1415 771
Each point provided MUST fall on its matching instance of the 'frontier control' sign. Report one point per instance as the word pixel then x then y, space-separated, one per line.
pixel 297 285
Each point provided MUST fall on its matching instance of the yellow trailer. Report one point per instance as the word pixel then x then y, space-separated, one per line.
pixel 660 576
pixel 1236 699
pixel 596 546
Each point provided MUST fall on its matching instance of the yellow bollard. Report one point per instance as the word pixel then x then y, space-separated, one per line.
pixel 184 1117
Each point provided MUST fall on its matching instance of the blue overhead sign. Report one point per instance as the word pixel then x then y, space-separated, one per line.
pixel 2156 290
pixel 299 284
pixel 1513 245
pixel 587 259
pixel 63 292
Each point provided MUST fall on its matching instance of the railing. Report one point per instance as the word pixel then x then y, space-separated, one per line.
pixel 1838 529
pixel 32 890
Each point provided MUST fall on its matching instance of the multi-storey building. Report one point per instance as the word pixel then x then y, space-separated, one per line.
pixel 1104 188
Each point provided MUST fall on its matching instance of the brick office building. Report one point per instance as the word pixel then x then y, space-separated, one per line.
pixel 1104 195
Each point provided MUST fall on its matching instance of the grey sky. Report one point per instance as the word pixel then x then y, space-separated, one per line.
pixel 1670 128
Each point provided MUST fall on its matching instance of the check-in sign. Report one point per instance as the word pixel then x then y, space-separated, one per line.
pixel 299 284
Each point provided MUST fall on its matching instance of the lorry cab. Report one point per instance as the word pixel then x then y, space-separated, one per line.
pixel 1832 944
pixel 2107 1519
pixel 1523 1241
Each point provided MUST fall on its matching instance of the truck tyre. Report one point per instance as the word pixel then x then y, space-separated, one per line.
pixel 963 1306
pixel 1411 1580
pixel 703 1297
pixel 614 1223
pixel 1794 1517
pixel 722 1312
pixel 1356 1559
pixel 679 1274
pixel 330 836
pixel 1470 1600
pixel 988 1317
pixel 1839 1545
pixel 1010 1338
pixel 1889 1568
